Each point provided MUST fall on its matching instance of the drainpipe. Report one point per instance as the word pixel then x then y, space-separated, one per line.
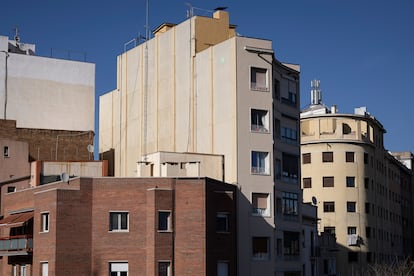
pixel 5 83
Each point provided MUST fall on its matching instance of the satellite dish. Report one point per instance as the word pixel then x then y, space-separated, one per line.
pixel 64 177
pixel 314 201
pixel 90 148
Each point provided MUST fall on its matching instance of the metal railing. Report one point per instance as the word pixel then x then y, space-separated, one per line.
pixel 16 243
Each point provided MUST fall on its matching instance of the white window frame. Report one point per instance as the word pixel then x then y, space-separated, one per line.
pixel 45 222
pixel 44 267
pixel 168 263
pixel 23 270
pixel 253 85
pixel 261 117
pixel 118 267
pixel 169 228
pixel 119 226
pixel 260 211
pixel 261 157
pixel 6 152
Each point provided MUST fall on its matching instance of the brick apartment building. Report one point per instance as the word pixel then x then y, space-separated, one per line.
pixel 106 226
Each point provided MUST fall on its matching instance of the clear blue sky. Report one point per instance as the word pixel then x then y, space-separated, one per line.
pixel 361 50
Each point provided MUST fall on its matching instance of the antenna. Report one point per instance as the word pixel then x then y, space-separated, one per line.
pixel 316 93
pixel 16 35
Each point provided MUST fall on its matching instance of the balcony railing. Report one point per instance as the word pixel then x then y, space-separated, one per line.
pixel 16 245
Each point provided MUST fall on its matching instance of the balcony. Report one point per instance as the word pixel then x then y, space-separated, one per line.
pixel 16 245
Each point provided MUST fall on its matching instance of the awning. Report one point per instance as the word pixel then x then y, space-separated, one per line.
pixel 16 219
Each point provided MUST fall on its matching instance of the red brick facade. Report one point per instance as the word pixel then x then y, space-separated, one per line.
pixel 79 240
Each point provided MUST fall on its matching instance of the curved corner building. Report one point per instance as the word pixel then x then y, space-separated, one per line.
pixel 363 193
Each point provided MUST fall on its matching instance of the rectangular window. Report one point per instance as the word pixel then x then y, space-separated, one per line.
pixel 260 204
pixel 290 168
pixel 350 181
pixel 260 248
pixel 289 91
pixel 366 158
pixel 6 151
pixel 278 169
pixel 260 162
pixel 289 204
pixel 164 220
pixel 307 182
pixel 352 230
pixel 330 230
pixel 44 267
pixel 118 221
pixel 222 222
pixel 258 79
pixel 367 205
pixel 291 243
pixel 328 181
pixel 327 156
pixel 44 222
pixel 11 189
pixel 351 206
pixel 306 158
pixel 368 232
pixel 329 206
pixel 164 268
pixel 23 270
pixel 349 156
pixel 118 269
pixel 276 84
pixel 366 182
pixel 289 135
pixel 222 268
pixel 276 128
pixel 259 120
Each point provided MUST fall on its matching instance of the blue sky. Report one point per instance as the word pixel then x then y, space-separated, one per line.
pixel 362 51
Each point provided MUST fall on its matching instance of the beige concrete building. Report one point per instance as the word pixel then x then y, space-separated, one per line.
pixel 361 190
pixel 198 88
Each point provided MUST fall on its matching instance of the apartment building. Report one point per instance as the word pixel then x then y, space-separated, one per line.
pixel 120 226
pixel 200 88
pixel 363 192
pixel 47 102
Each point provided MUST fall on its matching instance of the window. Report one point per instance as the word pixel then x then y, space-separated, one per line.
pixel 352 257
pixel 118 221
pixel 164 268
pixel 119 269
pixel 307 182
pixel 11 189
pixel 349 156
pixel 328 181
pixel 260 248
pixel 276 84
pixel 290 204
pixel 368 232
pixel 164 220
pixel 260 204
pixel 23 270
pixel 330 230
pixel 350 181
pixel 306 158
pixel 365 158
pixel 288 91
pixel 259 120
pixel 278 169
pixel 329 206
pixel 290 168
pixel 276 128
pixel 222 222
pixel 222 268
pixel 44 222
pixel 327 156
pixel 6 151
pixel 44 267
pixel 351 206
pixel 290 243
pixel 366 182
pixel 367 205
pixel 258 79
pixel 352 230
pixel 260 162
pixel 289 135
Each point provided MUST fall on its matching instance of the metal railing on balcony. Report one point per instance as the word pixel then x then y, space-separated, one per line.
pixel 16 244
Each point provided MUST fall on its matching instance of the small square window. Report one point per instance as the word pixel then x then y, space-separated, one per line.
pixel 307 182
pixel 11 189
pixel 222 222
pixel 260 162
pixel 260 204
pixel 164 220
pixel 259 120
pixel 118 269
pixel 260 248
pixel 306 158
pixel 327 156
pixel 352 230
pixel 351 206
pixel 349 156
pixel 329 206
pixel 328 181
pixel 258 79
pixel 164 268
pixel 350 181
pixel 118 221
pixel 44 222
pixel 6 151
